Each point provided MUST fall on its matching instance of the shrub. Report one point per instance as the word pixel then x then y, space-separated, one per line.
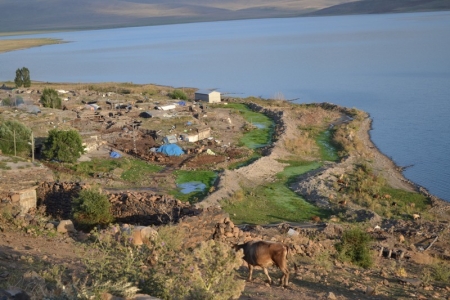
pixel 354 247
pixel 7 101
pixel 441 271
pixel 207 272
pixel 50 98
pixel 63 146
pixel 13 132
pixel 178 94
pixel 91 208
pixel 165 267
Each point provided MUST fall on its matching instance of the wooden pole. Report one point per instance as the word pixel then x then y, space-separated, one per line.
pixel 32 147
pixel 15 154
pixel 134 140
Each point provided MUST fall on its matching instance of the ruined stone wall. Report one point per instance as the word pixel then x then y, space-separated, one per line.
pixel 138 208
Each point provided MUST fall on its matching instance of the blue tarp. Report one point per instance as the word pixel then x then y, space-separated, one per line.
pixel 114 154
pixel 171 150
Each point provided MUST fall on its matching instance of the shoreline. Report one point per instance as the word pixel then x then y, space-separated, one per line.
pixel 8 45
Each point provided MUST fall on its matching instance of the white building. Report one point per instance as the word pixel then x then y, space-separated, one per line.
pixel 209 96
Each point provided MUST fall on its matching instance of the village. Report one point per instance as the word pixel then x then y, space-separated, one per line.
pixel 202 133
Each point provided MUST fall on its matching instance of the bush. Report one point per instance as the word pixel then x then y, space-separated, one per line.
pixel 91 208
pixel 63 146
pixel 208 272
pixel 354 247
pixel 178 94
pixel 7 101
pixel 50 98
pixel 441 271
pixel 12 130
pixel 165 267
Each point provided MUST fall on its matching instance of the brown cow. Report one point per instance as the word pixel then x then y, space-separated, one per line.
pixel 264 254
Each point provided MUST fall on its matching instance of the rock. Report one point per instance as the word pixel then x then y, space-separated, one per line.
pixel 142 234
pixel 65 226
pixel 148 233
pixel 292 232
pixel 144 297
pixel 33 276
pixel 49 226
pixel 15 198
pixel 108 296
pixel 370 291
pixel 15 294
pixel 410 281
pixel 331 296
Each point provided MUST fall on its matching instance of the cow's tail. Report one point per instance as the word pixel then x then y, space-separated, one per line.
pixel 290 253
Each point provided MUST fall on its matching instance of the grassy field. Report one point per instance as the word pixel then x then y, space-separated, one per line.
pixel 274 202
pixel 259 127
pixel 11 45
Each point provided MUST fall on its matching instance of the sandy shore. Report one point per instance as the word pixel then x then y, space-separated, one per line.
pixel 20 44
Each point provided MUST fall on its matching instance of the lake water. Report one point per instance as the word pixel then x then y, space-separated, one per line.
pixel 394 66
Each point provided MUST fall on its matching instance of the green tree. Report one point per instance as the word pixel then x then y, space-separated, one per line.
pixel 178 94
pixel 11 131
pixel 22 77
pixel 64 146
pixel 50 98
pixel 26 77
pixel 91 208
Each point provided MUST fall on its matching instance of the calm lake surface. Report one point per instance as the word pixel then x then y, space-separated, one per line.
pixel 395 66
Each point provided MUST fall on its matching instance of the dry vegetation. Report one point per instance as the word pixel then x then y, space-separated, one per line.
pixel 18 44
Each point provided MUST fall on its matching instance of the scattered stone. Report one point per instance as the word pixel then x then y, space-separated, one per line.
pixel 65 226
pixel 15 294
pixel 49 226
pixel 410 281
pixel 370 291
pixel 292 232
pixel 331 296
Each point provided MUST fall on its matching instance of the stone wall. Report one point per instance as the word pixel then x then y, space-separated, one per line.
pixel 21 201
pixel 138 208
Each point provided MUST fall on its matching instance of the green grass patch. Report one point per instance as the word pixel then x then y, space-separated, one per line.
pixel 327 150
pixel 403 203
pixel 244 163
pixel 274 202
pixel 137 169
pixel 271 204
pixel 134 170
pixel 295 169
pixel 205 177
pixel 259 128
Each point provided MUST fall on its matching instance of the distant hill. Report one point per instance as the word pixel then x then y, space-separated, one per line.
pixel 383 6
pixel 44 15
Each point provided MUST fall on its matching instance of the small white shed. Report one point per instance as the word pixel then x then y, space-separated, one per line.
pixel 209 96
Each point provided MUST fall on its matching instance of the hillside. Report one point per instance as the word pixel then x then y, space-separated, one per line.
pixel 49 15
pixel 300 186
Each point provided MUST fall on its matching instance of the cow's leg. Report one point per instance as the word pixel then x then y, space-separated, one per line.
pixel 250 272
pixel 267 274
pixel 284 281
